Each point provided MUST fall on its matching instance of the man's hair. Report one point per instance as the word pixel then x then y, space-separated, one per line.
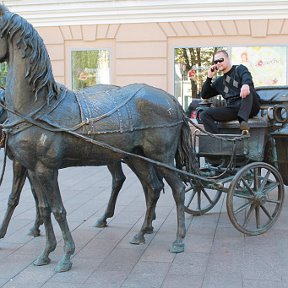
pixel 221 51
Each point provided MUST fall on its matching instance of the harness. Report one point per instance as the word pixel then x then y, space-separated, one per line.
pixel 33 120
pixel 100 112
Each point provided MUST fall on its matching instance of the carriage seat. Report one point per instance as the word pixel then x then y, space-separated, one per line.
pixel 233 127
pixel 269 96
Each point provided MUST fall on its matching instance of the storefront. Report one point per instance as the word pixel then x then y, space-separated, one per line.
pixel 122 42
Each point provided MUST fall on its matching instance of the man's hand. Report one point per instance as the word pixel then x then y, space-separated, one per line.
pixel 245 91
pixel 212 71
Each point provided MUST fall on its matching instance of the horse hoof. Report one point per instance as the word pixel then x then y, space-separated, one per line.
pixel 34 232
pixel 2 235
pixel 101 223
pixel 40 261
pixel 63 266
pixel 138 239
pixel 149 230
pixel 177 247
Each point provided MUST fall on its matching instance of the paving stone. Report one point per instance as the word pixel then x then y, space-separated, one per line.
pixel 214 281
pixel 147 275
pixel 248 283
pixel 262 268
pixel 81 270
pixel 3 281
pixel 66 285
pixel 216 254
pixel 183 281
pixel 107 279
pixel 121 259
pixel 98 247
pixel 32 276
pixel 189 264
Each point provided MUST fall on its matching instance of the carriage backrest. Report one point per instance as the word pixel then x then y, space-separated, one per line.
pixel 272 95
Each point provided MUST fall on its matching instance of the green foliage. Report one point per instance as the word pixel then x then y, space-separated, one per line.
pixel 3 74
pixel 199 56
pixel 86 67
pixel 198 59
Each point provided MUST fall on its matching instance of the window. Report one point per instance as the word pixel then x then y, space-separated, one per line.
pixel 90 67
pixel 191 66
pixel 267 65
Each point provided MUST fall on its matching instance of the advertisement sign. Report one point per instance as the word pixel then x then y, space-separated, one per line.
pixel 267 64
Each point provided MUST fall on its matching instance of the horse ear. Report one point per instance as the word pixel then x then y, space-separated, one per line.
pixel 3 9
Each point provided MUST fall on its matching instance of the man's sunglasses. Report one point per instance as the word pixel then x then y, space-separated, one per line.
pixel 220 60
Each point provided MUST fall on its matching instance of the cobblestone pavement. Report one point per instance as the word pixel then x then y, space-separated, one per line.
pixel 216 254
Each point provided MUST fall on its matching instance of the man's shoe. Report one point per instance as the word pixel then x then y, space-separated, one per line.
pixel 244 127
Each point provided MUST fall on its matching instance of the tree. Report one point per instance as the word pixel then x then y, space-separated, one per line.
pixel 85 66
pixel 197 59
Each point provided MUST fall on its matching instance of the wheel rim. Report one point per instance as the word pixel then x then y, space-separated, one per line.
pixel 255 198
pixel 199 200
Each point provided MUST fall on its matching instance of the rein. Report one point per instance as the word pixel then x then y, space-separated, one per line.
pixel 233 139
pixel 56 128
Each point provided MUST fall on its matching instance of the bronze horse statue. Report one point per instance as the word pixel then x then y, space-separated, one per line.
pixel 20 174
pixel 50 127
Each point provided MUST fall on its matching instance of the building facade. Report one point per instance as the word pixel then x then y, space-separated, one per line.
pixel 141 36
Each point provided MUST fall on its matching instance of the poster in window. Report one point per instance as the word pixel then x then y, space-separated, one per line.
pixel 267 64
pixel 90 67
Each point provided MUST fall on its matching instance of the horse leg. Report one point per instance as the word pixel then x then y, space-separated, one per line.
pixel 45 214
pixel 152 186
pixel 19 176
pixel 178 190
pixel 35 231
pixel 149 197
pixel 49 184
pixel 118 179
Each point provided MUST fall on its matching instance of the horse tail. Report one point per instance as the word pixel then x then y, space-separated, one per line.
pixel 186 154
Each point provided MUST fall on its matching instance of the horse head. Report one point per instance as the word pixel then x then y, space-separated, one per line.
pixel 31 57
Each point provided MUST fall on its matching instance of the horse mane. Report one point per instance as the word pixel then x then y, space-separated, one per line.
pixel 39 70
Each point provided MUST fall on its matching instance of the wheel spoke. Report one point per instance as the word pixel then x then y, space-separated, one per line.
pixel 243 196
pixel 264 182
pixel 247 186
pixel 241 208
pixel 273 201
pixel 249 214
pixel 191 198
pixel 266 212
pixel 207 196
pixel 189 189
pixel 257 215
pixel 199 200
pixel 270 187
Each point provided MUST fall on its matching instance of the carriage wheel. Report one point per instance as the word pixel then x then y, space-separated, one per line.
pixel 255 198
pixel 199 200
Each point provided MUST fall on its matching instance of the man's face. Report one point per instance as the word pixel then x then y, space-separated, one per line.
pixel 221 60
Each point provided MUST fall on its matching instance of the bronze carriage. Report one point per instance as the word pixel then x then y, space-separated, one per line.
pixel 251 170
